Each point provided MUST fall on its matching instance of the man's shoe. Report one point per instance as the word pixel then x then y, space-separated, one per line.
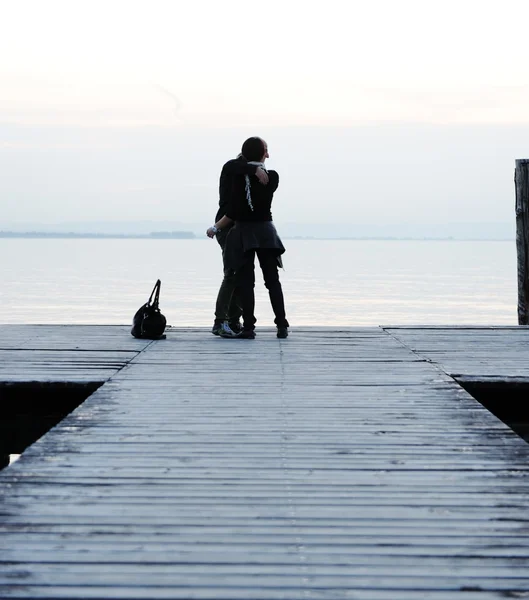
pixel 282 332
pixel 247 334
pixel 235 326
pixel 217 326
pixel 226 331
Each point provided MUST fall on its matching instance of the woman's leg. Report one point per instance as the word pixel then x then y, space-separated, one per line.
pixel 227 306
pixel 268 262
pixel 224 307
pixel 245 290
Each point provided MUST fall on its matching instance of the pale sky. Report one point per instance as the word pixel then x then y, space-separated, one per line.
pixel 411 109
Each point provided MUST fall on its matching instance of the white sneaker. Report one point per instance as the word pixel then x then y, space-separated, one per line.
pixel 227 331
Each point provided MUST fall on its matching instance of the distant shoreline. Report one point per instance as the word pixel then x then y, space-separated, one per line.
pixel 155 235
pixel 189 235
pixel 398 239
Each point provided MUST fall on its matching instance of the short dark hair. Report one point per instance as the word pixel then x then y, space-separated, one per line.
pixel 253 149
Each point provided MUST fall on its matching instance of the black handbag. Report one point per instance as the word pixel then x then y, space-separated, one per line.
pixel 148 322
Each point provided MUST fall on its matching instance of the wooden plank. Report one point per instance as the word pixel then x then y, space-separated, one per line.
pixel 77 353
pixel 495 354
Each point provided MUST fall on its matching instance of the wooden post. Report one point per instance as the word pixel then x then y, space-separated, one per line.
pixel 521 180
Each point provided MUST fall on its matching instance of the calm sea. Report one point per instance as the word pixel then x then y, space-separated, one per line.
pixel 325 282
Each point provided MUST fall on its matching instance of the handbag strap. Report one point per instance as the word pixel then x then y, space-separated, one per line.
pixel 155 294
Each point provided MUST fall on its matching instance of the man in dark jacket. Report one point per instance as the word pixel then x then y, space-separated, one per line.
pixel 227 307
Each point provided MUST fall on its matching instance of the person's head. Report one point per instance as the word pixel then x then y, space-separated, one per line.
pixel 255 149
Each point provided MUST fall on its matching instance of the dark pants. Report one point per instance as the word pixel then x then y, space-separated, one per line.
pixel 246 284
pixel 227 307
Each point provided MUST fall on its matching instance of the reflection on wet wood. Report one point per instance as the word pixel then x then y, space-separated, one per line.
pixel 339 463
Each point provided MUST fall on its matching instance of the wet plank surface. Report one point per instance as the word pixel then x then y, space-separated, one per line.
pixel 333 464
pixel 74 353
pixel 482 353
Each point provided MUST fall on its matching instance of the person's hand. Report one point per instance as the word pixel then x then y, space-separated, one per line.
pixel 262 175
pixel 211 232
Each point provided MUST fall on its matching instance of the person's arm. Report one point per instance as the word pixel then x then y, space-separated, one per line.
pixel 273 181
pixel 219 225
pixel 239 166
pixel 242 167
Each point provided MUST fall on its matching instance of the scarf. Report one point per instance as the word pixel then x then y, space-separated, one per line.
pixel 248 186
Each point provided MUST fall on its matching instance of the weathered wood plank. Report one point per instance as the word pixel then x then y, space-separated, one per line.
pixel 488 353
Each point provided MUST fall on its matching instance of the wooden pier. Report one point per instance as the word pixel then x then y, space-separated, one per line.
pixel 337 464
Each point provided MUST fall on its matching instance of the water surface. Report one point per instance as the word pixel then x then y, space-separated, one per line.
pixel 326 282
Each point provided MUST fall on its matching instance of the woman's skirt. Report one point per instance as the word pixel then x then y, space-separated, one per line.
pixel 245 236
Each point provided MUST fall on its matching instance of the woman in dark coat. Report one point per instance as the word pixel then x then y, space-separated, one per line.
pixel 253 234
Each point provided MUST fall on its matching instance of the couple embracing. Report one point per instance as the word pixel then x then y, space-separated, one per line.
pixel 244 229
